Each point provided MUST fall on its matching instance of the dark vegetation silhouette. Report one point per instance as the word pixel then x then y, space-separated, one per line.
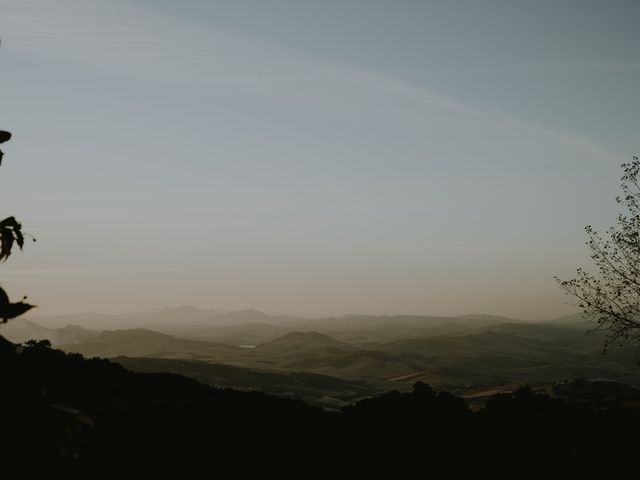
pixel 10 235
pixel 611 295
pixel 77 413
pixel 4 137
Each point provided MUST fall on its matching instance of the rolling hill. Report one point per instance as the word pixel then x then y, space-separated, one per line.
pixel 321 390
pixel 457 353
pixel 141 342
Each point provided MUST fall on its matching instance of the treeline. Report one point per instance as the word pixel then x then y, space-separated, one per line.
pixel 63 411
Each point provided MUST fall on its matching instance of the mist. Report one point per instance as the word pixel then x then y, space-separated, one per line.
pixel 217 157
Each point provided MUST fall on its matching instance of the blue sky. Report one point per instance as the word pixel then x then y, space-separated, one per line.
pixel 312 157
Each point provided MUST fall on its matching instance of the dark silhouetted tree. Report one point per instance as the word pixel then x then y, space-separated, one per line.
pixel 611 294
pixel 10 235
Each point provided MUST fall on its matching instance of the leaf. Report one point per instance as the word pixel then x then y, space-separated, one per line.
pixel 4 137
pixel 10 310
pixel 10 233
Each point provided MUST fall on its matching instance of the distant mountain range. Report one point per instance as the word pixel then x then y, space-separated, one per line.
pixel 380 352
pixel 251 327
pixel 163 317
pixel 193 316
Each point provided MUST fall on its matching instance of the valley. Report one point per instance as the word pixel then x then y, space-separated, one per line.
pixel 335 361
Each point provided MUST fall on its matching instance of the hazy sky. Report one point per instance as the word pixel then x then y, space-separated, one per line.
pixel 313 157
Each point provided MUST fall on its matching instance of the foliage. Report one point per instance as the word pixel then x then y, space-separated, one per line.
pixel 611 295
pixel 4 137
pixel 62 410
pixel 10 235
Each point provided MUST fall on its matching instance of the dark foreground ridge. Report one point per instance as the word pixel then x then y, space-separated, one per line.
pixel 63 411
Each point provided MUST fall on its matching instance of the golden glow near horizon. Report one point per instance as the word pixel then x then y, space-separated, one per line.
pixel 312 157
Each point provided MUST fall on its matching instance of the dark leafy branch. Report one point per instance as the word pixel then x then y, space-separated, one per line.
pixel 10 235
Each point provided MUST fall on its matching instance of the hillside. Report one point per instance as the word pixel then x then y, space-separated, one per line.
pixel 321 390
pixel 449 355
pixel 147 343
pixel 68 414
pixel 20 330
pixel 518 353
pixel 310 342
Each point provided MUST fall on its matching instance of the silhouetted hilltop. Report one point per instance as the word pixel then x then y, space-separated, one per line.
pixel 599 393
pixel 66 412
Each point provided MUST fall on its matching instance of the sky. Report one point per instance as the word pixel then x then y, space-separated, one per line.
pixel 313 157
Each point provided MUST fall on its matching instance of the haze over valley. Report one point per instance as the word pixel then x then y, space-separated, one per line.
pixel 337 360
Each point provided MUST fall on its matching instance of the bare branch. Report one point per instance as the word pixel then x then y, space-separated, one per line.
pixel 612 294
